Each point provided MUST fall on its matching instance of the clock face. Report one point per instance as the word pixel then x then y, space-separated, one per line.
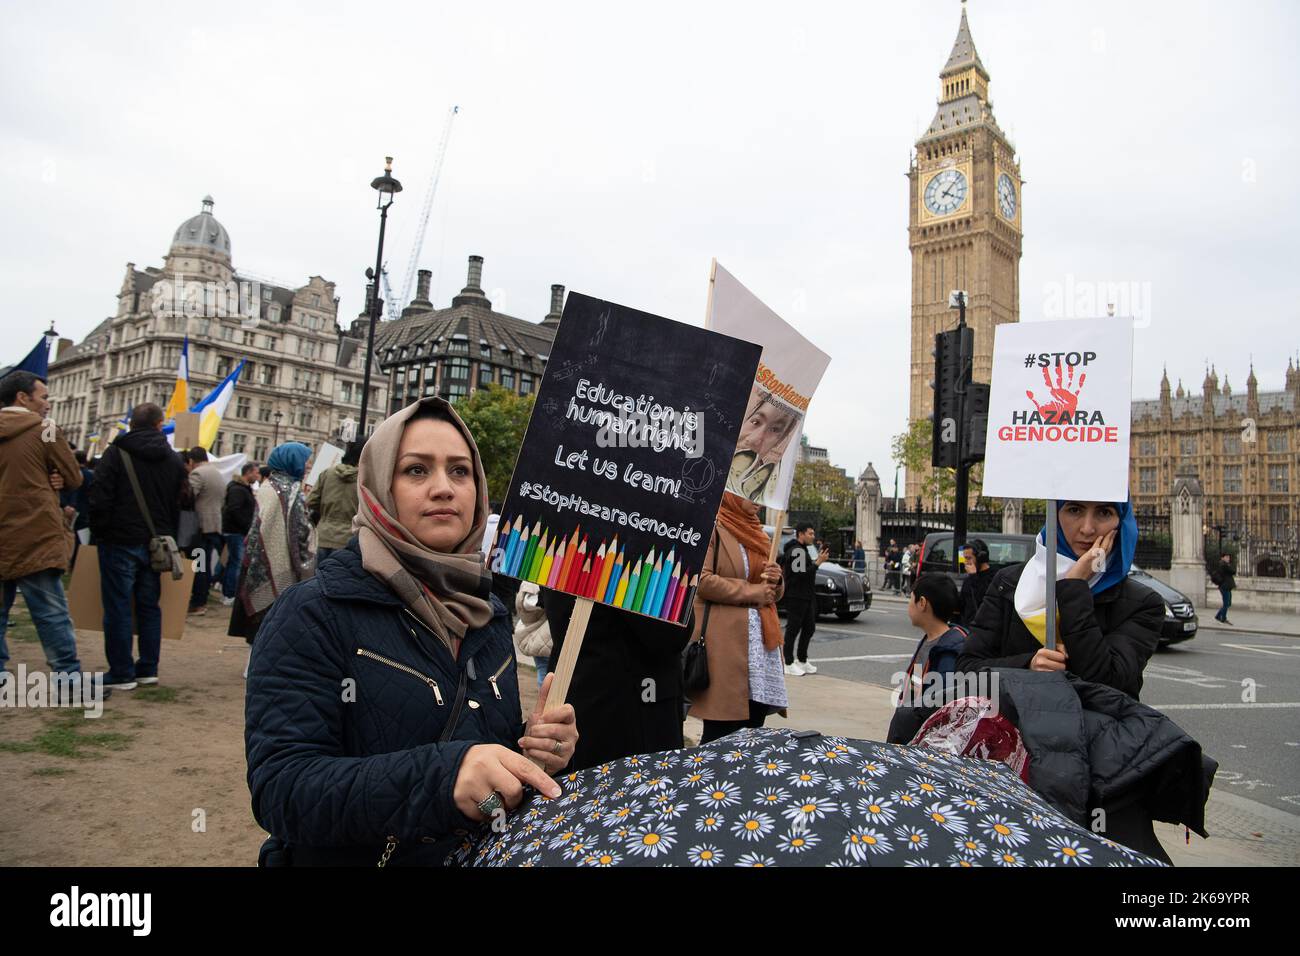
pixel 1007 196
pixel 945 192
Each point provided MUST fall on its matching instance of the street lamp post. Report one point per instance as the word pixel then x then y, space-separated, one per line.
pixel 51 337
pixel 275 440
pixel 387 187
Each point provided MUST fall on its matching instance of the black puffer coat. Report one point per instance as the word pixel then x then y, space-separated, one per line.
pixel 1108 636
pixel 357 719
pixel 1092 747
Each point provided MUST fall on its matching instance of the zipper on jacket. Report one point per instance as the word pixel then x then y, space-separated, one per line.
pixel 433 684
pixel 493 679
pixel 450 729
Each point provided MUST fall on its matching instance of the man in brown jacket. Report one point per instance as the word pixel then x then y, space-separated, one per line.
pixel 34 544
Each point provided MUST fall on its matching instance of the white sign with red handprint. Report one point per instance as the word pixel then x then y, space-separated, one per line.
pixel 1059 407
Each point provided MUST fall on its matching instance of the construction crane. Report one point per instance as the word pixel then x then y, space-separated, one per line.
pixel 395 303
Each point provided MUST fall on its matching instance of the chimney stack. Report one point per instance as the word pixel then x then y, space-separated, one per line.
pixel 472 294
pixel 557 307
pixel 474 283
pixel 421 301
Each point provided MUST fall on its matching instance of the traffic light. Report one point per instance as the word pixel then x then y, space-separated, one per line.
pixel 977 423
pixel 949 350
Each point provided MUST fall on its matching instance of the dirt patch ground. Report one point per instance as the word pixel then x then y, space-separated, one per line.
pixel 159 779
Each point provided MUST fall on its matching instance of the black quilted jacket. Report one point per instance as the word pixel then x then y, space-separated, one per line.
pixel 1109 636
pixel 357 719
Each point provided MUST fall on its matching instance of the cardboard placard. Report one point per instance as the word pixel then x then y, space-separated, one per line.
pixel 791 368
pixel 618 482
pixel 186 434
pixel 327 456
pixel 85 602
pixel 1059 408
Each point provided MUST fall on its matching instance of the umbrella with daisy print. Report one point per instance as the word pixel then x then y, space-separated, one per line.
pixel 769 797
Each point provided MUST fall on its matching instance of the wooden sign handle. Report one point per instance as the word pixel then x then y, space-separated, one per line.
pixel 778 522
pixel 577 630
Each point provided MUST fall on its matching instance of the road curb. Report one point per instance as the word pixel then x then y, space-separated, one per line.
pixel 1248 629
pixel 1213 625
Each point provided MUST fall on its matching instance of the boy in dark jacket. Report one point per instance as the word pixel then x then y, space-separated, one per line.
pixel 933 604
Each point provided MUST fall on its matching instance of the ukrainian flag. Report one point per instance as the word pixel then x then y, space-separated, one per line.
pixel 213 406
pixel 180 399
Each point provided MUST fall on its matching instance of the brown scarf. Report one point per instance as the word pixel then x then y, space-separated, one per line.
pixel 448 592
pixel 740 517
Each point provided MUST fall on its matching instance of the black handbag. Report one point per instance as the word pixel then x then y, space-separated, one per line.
pixel 695 659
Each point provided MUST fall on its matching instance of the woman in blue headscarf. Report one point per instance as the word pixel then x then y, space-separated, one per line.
pixel 278 548
pixel 1108 624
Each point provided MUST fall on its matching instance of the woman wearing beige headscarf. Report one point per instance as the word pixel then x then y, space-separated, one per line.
pixel 383 713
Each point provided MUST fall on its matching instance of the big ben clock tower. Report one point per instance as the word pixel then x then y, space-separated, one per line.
pixel 963 223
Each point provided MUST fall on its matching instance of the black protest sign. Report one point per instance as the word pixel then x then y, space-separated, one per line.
pixel 623 466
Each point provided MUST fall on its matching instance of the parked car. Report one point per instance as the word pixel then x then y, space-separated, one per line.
pixel 841 592
pixel 1180 623
pixel 1004 550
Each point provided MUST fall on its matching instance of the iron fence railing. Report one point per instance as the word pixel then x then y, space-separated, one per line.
pixel 1265 549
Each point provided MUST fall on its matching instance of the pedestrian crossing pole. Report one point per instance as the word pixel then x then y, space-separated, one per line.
pixel 962 491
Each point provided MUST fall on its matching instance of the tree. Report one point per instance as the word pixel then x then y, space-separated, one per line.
pixel 497 418
pixel 911 449
pixel 820 486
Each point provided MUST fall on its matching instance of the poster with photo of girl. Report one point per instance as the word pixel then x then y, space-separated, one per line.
pixel 789 371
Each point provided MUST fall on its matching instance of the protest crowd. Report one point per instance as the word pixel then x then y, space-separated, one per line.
pixel 391 573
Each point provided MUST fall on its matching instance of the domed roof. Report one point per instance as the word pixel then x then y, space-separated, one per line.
pixel 203 230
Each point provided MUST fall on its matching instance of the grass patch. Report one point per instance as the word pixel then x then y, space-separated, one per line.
pixel 157 694
pixel 20 628
pixel 51 771
pixel 67 736
pixel 65 741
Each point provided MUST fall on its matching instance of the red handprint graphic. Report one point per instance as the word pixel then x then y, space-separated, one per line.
pixel 1064 401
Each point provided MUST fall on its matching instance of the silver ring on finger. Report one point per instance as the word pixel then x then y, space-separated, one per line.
pixel 490 804
pixel 558 749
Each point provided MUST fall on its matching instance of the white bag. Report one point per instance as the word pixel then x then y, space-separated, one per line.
pixel 532 632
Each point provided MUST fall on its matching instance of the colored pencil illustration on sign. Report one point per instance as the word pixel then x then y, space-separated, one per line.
pixel 600 577
pixel 625 459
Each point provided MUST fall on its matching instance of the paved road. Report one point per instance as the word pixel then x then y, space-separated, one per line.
pixel 1205 685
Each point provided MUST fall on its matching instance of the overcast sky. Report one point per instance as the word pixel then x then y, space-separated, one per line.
pixel 616 148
